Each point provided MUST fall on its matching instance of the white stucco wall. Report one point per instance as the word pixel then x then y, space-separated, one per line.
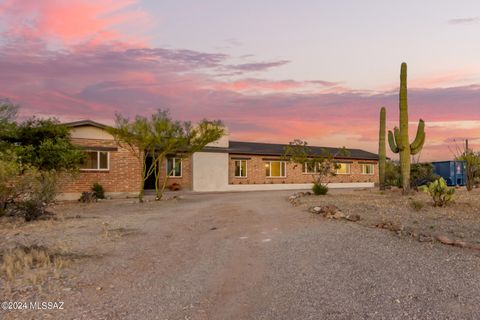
pixel 210 171
pixel 223 142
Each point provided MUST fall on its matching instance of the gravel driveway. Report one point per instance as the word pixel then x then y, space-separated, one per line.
pixel 254 256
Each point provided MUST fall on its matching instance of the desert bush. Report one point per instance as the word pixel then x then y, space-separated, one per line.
pixel 32 193
pixel 393 176
pixel 417 205
pixel 319 189
pixel 88 197
pixel 421 174
pixel 441 194
pixel 98 190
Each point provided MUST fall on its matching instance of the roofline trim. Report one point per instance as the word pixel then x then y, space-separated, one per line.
pixel 82 123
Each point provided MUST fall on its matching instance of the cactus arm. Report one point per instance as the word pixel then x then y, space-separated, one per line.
pixel 414 151
pixel 417 144
pixel 391 142
pixel 398 138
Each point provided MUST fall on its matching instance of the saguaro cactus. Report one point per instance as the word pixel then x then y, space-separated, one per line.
pixel 398 140
pixel 382 150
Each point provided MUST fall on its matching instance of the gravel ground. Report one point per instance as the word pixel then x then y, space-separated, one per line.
pixel 414 214
pixel 244 256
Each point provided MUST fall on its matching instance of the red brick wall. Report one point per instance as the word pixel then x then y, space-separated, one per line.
pixel 185 181
pixel 256 172
pixel 123 175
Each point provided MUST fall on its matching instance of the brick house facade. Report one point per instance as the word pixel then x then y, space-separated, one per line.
pixel 222 166
pixel 295 174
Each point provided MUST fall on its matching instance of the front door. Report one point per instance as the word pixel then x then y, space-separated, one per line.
pixel 150 182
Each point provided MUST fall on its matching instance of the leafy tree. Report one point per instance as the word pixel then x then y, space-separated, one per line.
pixel 45 144
pixel 321 165
pixel 472 164
pixel 32 155
pixel 160 137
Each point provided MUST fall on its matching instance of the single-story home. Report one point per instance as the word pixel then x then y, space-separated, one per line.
pixel 223 165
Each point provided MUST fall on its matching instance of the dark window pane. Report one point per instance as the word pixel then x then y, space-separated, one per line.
pixel 103 160
pixel 178 168
pixel 91 160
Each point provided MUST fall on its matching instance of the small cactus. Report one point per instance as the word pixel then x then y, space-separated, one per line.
pixel 441 194
pixel 382 157
pixel 398 140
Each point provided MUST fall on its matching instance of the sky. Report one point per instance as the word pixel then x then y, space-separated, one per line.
pixel 271 70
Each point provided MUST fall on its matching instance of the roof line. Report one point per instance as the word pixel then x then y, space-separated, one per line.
pixel 85 122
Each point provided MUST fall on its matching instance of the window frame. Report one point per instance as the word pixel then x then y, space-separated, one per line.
pixel 241 171
pixel 98 161
pixel 364 171
pixel 270 168
pixel 174 162
pixel 305 169
pixel 349 166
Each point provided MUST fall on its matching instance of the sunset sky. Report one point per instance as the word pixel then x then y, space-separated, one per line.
pixel 271 70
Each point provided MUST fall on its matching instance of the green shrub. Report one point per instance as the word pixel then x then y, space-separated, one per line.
pixel 417 205
pixel 441 194
pixel 422 174
pixel 98 190
pixel 319 189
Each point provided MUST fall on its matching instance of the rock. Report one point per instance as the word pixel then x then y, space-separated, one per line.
pixel 390 226
pixel 316 210
pixel 353 217
pixel 444 239
pixel 474 246
pixel 99 288
pixel 338 215
pixel 459 243
pixel 424 238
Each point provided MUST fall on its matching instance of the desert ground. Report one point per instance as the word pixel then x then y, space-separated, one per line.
pixel 250 255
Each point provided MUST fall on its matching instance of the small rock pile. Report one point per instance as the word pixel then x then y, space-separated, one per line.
pixel 332 212
pixel 294 198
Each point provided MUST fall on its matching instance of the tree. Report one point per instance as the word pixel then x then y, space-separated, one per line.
pixel 321 164
pixel 160 137
pixel 472 164
pixel 45 144
pixel 33 154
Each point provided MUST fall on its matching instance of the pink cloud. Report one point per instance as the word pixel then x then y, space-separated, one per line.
pixel 99 72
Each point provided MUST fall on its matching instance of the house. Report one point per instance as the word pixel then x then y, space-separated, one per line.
pixel 223 165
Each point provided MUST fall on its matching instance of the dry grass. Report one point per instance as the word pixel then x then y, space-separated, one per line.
pixel 33 265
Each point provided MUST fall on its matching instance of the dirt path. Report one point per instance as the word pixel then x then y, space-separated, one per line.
pixel 253 256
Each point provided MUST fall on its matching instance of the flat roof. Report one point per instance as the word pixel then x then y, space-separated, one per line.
pixel 273 149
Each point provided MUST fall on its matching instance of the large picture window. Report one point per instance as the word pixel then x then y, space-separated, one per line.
pixel 174 167
pixel 276 169
pixel 240 168
pixel 368 168
pixel 343 168
pixel 96 160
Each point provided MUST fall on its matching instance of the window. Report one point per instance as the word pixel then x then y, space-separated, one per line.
pixel 343 168
pixel 310 167
pixel 240 168
pixel 367 168
pixel 96 160
pixel 174 167
pixel 275 169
